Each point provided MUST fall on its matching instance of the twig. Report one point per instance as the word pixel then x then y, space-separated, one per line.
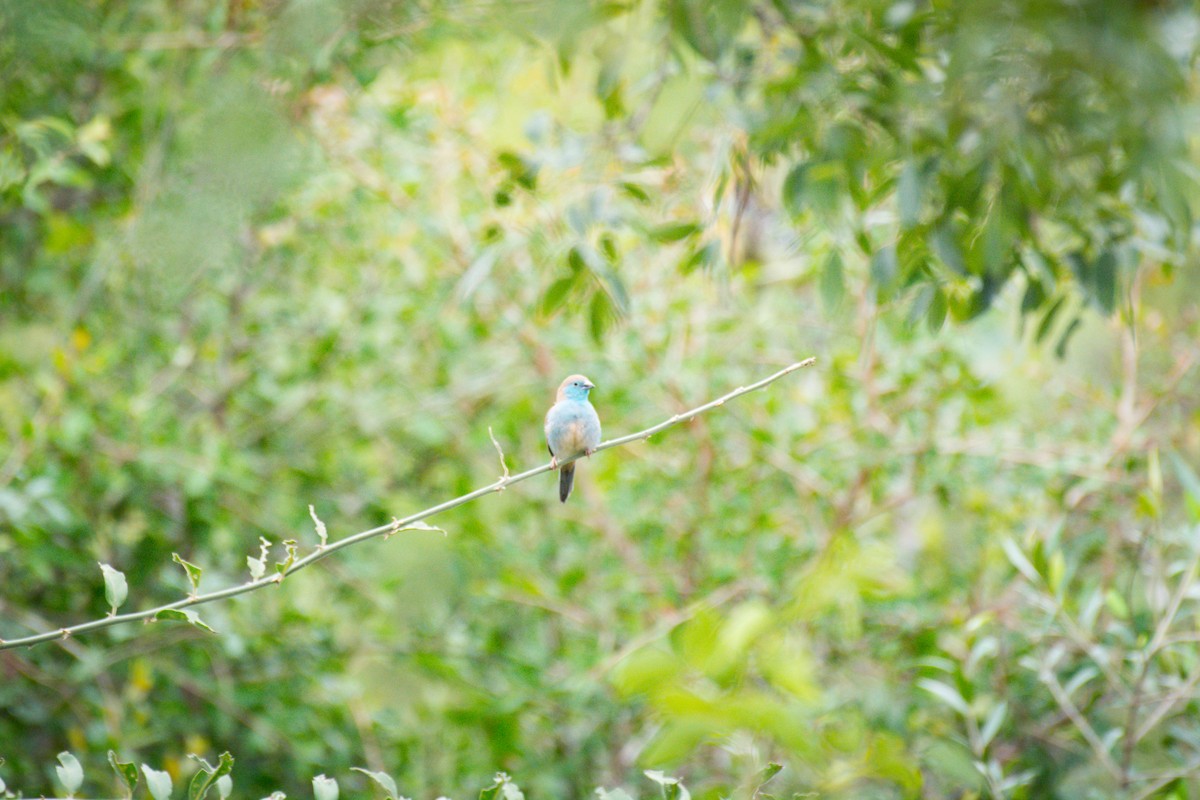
pixel 1089 733
pixel 395 525
pixel 500 453
pixel 1159 781
pixel 1133 734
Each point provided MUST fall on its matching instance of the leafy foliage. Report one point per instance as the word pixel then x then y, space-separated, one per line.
pixel 261 260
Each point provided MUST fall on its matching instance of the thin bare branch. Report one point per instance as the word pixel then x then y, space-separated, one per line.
pixel 395 525
pixel 1080 721
pixel 499 452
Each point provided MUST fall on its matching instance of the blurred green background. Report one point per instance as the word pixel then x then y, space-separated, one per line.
pixel 261 254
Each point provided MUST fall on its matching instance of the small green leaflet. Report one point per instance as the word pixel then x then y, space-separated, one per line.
pixel 115 588
pixel 184 615
pixel 193 572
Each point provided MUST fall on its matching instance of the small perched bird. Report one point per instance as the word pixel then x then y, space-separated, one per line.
pixel 572 428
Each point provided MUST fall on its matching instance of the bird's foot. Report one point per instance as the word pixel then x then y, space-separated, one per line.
pixel 588 452
pixel 553 462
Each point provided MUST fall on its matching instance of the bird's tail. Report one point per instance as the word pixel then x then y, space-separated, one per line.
pixel 566 479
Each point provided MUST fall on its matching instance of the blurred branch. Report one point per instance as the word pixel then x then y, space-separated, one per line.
pixel 184 40
pixel 394 526
pixel 1089 733
pixel 670 620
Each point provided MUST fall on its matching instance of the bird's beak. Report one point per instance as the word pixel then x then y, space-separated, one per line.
pixel 589 386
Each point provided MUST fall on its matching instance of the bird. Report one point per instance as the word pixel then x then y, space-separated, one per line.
pixel 572 428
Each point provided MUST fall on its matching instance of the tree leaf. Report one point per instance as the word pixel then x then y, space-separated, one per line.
pixel 183 615
pixel 946 693
pixel 1060 349
pixel 603 315
pixel 1189 483
pixel 991 726
pixel 674 231
pixel 258 566
pixel 282 567
pixel 322 532
pixel 70 773
pixel 126 771
pixel 115 588
pixel 765 775
pixel 1048 319
pixel 158 782
pixel 636 192
pixel 833 281
pixel 884 267
pixel 672 788
pixel 208 775
pixel 193 572
pixel 556 294
pixel 384 780
pixel 325 788
pixel 908 195
pixel 502 789
pixel 793 188
pixel 935 317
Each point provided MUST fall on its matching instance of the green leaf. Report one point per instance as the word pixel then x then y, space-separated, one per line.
pixel 183 615
pixel 674 231
pixel 1048 319
pixel 1104 281
pixel 935 317
pixel 158 782
pixel 793 188
pixel 1116 604
pixel 1190 484
pixel 1019 560
pixel 208 775
pixel 282 567
pixel 322 531
pixel 556 294
pixel 521 170
pixel 636 192
pixel 325 788
pixel 502 789
pixel 70 773
pixel 1034 297
pixel 908 195
pixel 193 572
pixel 575 260
pixel 833 281
pixel 126 771
pixel 613 794
pixel 946 693
pixel 384 780
pixel 991 725
pixel 612 285
pixel 944 243
pixel 115 588
pixel 603 315
pixel 884 268
pixel 1060 349
pixel 258 566
pixel 672 788
pixel 811 185
pixel 765 775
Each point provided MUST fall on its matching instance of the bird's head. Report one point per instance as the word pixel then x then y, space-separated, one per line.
pixel 575 387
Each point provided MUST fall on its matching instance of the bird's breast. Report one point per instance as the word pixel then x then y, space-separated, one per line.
pixel 572 430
